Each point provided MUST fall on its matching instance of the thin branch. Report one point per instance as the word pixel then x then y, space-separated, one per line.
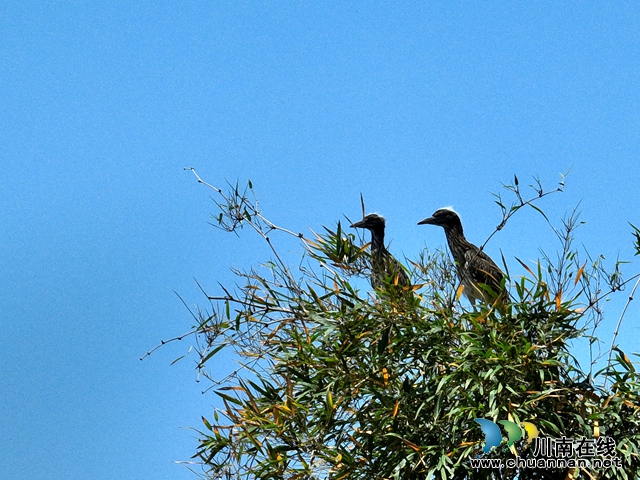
pixel 615 334
pixel 507 213
pixel 164 342
pixel 270 225
pixel 621 284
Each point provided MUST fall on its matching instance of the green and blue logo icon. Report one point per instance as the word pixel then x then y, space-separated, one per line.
pixel 493 434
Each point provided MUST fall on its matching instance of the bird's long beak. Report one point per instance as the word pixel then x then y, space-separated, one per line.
pixel 428 221
pixel 360 224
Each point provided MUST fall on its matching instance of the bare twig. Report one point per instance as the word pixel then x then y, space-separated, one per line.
pixel 507 213
pixel 615 334
pixel 270 226
pixel 164 342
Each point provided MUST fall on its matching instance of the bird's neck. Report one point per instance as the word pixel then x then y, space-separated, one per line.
pixel 454 230
pixel 377 241
pixel 458 244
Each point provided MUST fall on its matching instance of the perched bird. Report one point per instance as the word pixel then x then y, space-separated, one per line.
pixel 384 268
pixel 473 266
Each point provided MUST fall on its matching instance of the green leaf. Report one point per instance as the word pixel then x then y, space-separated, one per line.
pixel 228 397
pixel 636 235
pixel 212 353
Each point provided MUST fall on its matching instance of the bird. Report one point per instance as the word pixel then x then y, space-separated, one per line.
pixel 385 269
pixel 473 266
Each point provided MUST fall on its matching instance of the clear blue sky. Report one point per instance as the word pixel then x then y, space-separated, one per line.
pixel 415 106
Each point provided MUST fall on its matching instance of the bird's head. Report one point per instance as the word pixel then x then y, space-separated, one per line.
pixel 444 217
pixel 373 221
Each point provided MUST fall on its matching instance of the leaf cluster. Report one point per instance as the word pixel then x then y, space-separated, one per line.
pixel 337 382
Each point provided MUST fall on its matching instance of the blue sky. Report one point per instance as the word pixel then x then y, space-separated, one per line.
pixel 416 106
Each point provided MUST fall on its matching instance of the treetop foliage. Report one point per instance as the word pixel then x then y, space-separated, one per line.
pixel 334 381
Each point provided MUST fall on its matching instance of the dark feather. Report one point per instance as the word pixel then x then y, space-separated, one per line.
pixel 474 267
pixel 385 269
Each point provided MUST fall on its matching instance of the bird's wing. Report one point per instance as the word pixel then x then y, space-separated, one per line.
pixel 387 268
pixel 397 269
pixel 482 268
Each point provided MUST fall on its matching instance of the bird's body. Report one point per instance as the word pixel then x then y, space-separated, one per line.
pixel 474 267
pixel 385 269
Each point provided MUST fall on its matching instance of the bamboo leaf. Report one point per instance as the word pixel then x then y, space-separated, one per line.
pixel 579 274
